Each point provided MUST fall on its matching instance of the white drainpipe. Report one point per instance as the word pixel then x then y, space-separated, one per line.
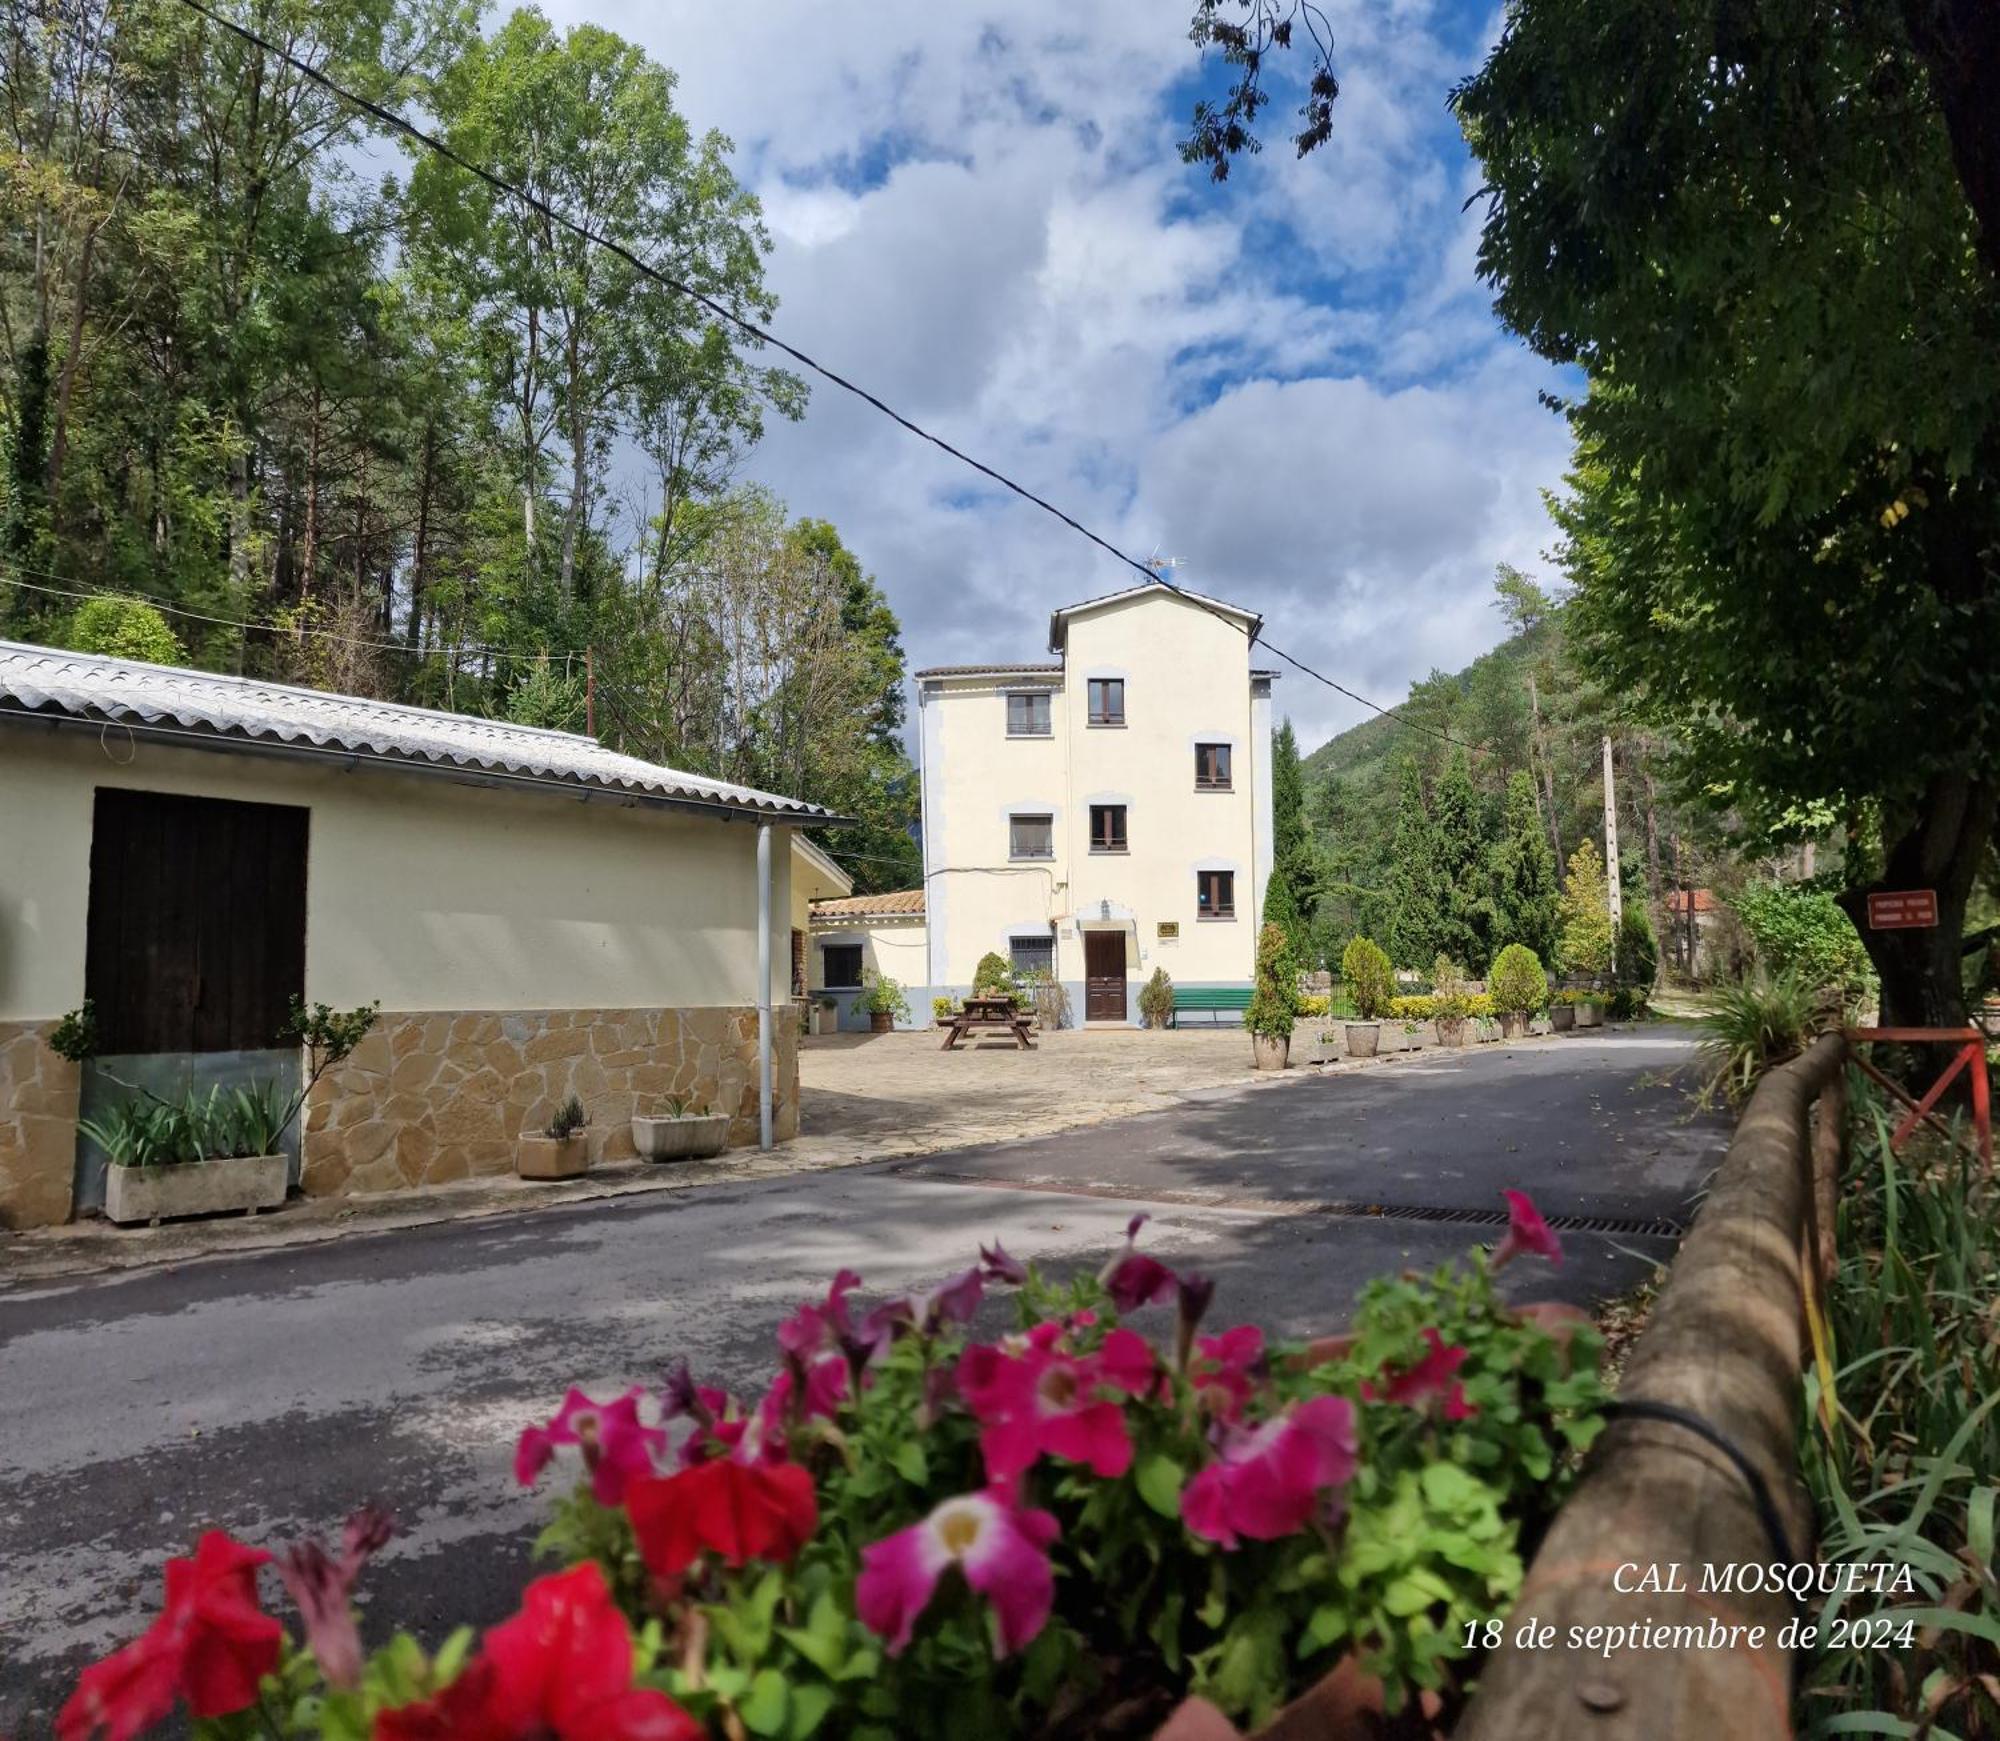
pixel 764 985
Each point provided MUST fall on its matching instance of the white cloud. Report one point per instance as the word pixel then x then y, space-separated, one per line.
pixel 980 215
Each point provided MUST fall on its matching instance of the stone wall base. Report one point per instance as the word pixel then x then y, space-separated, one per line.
pixel 429 1098
pixel 38 1094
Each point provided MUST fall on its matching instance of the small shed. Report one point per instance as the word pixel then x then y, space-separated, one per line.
pixel 537 916
pixel 860 939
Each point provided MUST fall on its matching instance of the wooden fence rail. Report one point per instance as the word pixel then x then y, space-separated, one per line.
pixel 1665 1493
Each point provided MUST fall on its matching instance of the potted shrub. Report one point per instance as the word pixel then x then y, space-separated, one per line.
pixel 1451 1001
pixel 826 1016
pixel 1562 1011
pixel 1518 987
pixel 941 1008
pixel 994 977
pixel 1589 1008
pixel 683 1132
pixel 204 1153
pixel 1156 1000
pixel 884 1002
pixel 560 1150
pixel 1274 1005
pixel 1369 980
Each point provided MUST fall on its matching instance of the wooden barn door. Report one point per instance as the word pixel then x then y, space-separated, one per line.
pixel 197 931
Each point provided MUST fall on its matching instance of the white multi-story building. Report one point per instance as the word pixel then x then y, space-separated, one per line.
pixel 1094 817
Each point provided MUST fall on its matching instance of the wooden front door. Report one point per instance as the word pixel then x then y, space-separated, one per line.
pixel 1104 976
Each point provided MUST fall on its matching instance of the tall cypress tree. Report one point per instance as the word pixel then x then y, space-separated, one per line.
pixel 1464 922
pixel 1413 881
pixel 1292 894
pixel 1524 874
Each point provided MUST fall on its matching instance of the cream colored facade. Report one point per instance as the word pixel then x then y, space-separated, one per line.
pixel 524 944
pixel 1188 680
pixel 871 944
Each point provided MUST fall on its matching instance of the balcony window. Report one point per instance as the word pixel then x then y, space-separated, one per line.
pixel 1215 894
pixel 1107 828
pixel 1107 700
pixel 1211 768
pixel 1031 837
pixel 1028 714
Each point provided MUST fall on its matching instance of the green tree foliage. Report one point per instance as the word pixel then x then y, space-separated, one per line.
pixel 1465 915
pixel 1274 1003
pixel 1369 980
pixel 1636 967
pixel 1583 916
pixel 1804 933
pixel 1783 515
pixel 1523 873
pixel 1291 898
pixel 1415 895
pixel 1156 1000
pixel 125 628
pixel 1517 983
pixel 993 976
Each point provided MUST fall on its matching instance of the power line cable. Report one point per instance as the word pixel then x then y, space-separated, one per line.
pixel 399 124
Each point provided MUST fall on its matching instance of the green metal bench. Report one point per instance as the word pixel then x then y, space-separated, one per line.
pixel 1213 999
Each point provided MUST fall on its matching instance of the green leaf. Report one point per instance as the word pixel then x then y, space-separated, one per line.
pixel 911 1463
pixel 810 1705
pixel 763 1712
pixel 1159 1480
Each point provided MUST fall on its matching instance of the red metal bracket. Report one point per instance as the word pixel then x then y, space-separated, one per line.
pixel 1968 1056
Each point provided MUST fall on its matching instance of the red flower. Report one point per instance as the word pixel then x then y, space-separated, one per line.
pixel 1267 1482
pixel 1434 1375
pixel 1526 1231
pixel 1133 1279
pixel 1224 1370
pixel 561 1669
pixel 738 1510
pixel 211 1645
pixel 1047 1399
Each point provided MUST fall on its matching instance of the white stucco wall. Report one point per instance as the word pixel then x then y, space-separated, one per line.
pixel 891 948
pixel 422 894
pixel 1187 681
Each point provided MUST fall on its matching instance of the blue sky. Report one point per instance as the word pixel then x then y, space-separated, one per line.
pixel 1291 382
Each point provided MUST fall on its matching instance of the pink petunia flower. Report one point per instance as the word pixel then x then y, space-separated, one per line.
pixel 1526 1232
pixel 1225 1370
pixel 1268 1480
pixel 1045 1398
pixel 812 1329
pixel 1133 1279
pixel 1000 1267
pixel 322 1589
pixel 1000 1550
pixel 1435 1375
pixel 617 1445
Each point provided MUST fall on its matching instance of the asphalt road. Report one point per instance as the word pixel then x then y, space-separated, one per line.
pixel 272 1393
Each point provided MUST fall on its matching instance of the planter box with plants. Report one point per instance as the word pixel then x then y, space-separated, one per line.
pixel 1451 1001
pixel 1370 983
pixel 561 1150
pixel 214 1151
pixel 682 1133
pixel 1067 1531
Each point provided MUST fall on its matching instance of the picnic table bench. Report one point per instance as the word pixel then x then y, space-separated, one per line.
pixel 1210 998
pixel 988 1015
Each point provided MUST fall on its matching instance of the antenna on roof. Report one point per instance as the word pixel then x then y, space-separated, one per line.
pixel 1156 562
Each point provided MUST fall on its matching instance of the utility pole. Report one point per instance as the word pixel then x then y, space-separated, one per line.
pixel 1612 891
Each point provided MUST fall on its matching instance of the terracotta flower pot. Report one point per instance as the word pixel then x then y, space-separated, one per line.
pixel 881 1021
pixel 1344 1705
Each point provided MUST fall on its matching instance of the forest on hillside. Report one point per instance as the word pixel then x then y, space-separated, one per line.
pixel 336 412
pixel 1448 825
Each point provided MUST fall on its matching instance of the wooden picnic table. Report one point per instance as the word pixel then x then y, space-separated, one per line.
pixel 988 1015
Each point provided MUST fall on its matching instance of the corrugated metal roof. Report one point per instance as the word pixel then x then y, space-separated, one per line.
pixel 905 903
pixel 249 712
pixel 986 670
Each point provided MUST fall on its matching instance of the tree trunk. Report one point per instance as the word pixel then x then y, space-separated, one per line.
pixel 66 381
pixel 309 554
pixel 1940 850
pixel 1959 42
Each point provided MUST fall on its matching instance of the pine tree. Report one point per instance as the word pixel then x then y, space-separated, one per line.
pixel 1464 923
pixel 1523 873
pixel 1292 894
pixel 1583 948
pixel 1413 883
pixel 1288 796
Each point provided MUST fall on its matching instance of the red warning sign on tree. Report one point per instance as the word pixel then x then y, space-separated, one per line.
pixel 1903 910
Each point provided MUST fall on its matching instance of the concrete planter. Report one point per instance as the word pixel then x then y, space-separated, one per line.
pixel 1514 1025
pixel 1270 1052
pixel 154 1194
pixel 826 1018
pixel 1590 1015
pixel 694 1136
pixel 1450 1030
pixel 552 1157
pixel 1562 1017
pixel 1314 1043
pixel 1363 1038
